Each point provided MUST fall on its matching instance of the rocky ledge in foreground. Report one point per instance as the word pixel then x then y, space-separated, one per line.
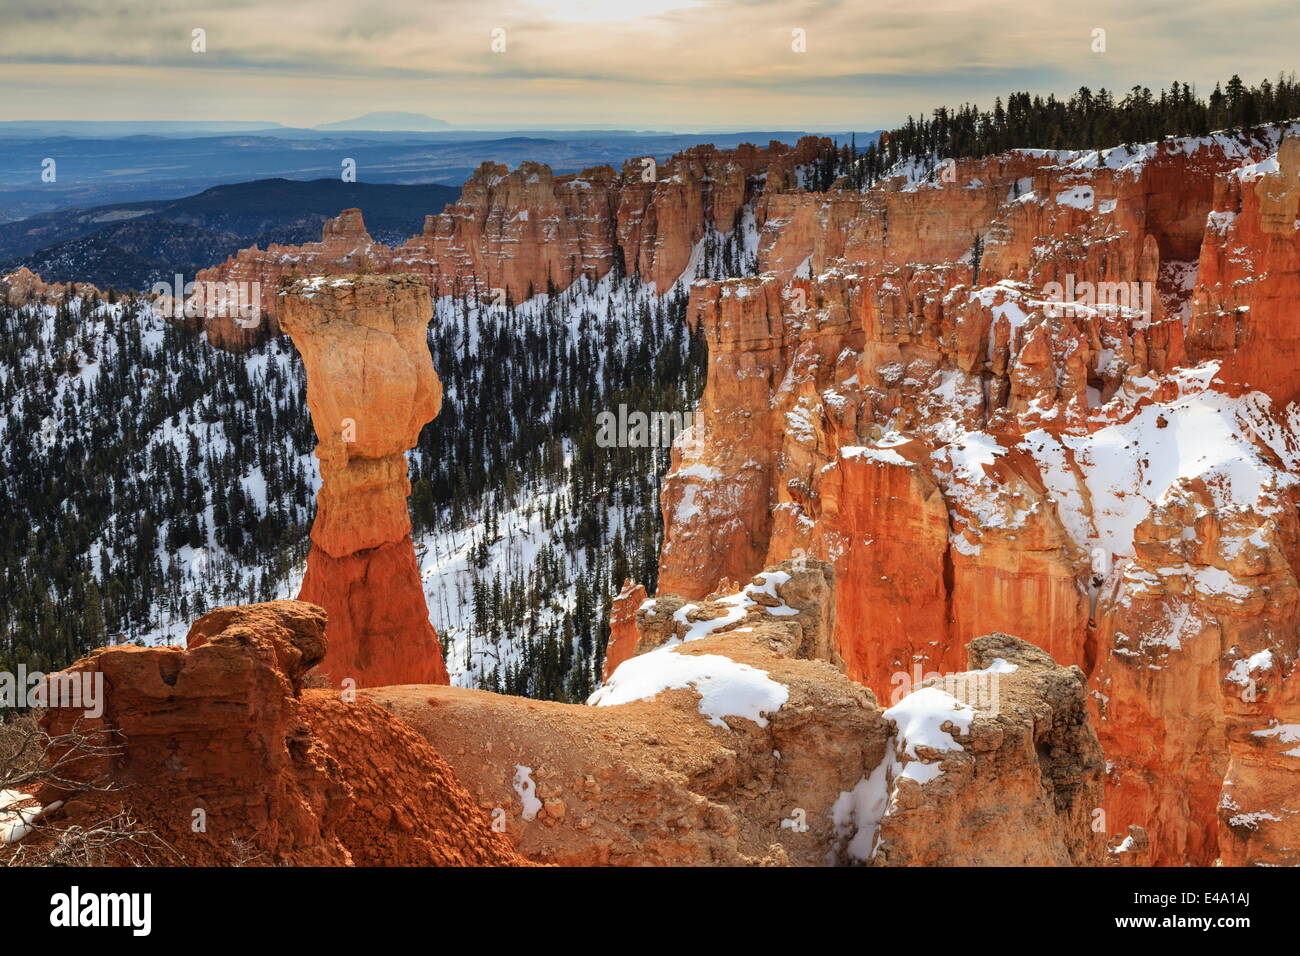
pixel 221 758
pixel 731 736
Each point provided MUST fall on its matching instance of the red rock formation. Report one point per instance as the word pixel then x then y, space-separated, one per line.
pixel 371 387
pixel 526 230
pixel 1249 282
pixel 819 774
pixel 972 456
pixel 222 755
pixel 821 360
pixel 623 634
pixel 22 286
pixel 1196 693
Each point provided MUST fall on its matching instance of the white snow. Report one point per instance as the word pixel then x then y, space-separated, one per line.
pixel 921 715
pixel 726 688
pixel 886 456
pixel 1241 670
pixel 1129 467
pixel 1285 734
pixel 1077 197
pixel 920 718
pixel 527 790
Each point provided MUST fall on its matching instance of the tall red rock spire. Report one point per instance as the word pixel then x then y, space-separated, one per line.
pixel 371 387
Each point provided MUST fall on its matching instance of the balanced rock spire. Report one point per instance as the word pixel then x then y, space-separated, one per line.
pixel 371 387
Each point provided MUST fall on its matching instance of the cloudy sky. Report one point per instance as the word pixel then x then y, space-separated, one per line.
pixel 661 64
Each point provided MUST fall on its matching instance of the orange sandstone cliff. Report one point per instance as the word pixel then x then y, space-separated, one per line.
pixel 1249 276
pixel 1044 393
pixel 371 387
pixel 527 230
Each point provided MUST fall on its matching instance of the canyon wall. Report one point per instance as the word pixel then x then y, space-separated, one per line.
pixel 1047 394
pixel 1249 281
pixel 524 231
pixel 371 387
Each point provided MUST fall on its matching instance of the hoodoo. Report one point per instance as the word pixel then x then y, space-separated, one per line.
pixel 371 387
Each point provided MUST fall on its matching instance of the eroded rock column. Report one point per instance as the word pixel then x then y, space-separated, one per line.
pixel 371 387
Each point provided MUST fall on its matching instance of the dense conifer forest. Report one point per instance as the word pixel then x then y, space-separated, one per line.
pixel 133 471
pixel 527 526
pixel 1087 120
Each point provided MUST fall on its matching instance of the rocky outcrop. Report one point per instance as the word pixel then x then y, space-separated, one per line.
pixel 728 739
pixel 371 387
pixel 731 737
pixel 525 231
pixel 1024 783
pixel 984 412
pixel 623 634
pixel 23 286
pixel 219 753
pixel 345 249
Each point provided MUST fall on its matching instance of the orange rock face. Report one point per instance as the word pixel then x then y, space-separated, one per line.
pixel 371 387
pixel 1036 447
pixel 526 230
pixel 934 543
pixel 1249 283
pixel 666 770
pixel 223 755
pixel 1201 631
pixel 623 634
pixel 23 286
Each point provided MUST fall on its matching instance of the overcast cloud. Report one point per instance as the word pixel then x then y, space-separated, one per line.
pixel 636 63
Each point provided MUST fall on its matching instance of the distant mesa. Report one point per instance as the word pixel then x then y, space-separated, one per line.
pixel 390 120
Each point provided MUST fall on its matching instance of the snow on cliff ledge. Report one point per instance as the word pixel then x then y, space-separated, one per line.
pixel 726 688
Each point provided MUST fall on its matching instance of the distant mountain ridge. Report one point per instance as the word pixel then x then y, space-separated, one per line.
pixel 132 245
pixel 389 120
pixel 111 128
